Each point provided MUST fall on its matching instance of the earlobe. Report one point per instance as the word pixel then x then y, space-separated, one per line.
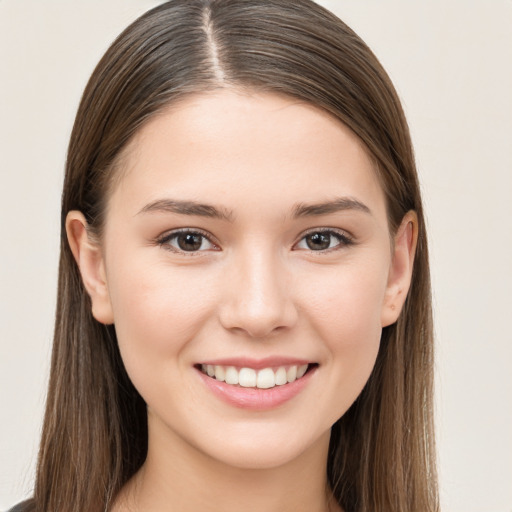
pixel 400 272
pixel 90 261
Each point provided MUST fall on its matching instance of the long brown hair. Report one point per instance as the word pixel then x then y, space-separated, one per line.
pixel 95 429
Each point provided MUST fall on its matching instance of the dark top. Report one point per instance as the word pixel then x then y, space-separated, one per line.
pixel 24 506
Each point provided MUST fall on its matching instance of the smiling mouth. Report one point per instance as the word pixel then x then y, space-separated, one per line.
pixel 264 378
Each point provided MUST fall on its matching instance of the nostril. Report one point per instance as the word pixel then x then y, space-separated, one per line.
pixel 258 321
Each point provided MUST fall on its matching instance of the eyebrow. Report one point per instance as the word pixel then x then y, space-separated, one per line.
pixel 207 210
pixel 336 205
pixel 187 208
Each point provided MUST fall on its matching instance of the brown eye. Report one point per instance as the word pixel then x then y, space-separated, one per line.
pixel 323 240
pixel 318 241
pixel 187 241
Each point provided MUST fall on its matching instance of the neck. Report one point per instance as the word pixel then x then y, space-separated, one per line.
pixel 180 478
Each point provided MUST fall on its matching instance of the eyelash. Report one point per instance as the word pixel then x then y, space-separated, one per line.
pixel 164 241
pixel 344 239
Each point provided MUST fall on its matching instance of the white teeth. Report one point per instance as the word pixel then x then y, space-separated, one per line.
pixel 220 373
pixel 291 374
pixel 247 378
pixel 265 378
pixel 281 377
pixel 301 370
pixel 231 375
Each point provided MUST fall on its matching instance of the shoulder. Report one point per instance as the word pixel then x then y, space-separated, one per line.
pixel 24 506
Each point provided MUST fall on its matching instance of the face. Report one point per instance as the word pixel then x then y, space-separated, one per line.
pixel 246 263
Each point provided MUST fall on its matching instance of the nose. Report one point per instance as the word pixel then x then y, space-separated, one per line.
pixel 258 300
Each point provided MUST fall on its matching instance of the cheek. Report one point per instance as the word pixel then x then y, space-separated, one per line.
pixel 157 309
pixel 346 305
pixel 345 312
pixel 158 313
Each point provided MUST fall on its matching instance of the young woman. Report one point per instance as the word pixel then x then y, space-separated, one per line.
pixel 243 315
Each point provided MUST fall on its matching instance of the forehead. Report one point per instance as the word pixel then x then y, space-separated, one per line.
pixel 245 147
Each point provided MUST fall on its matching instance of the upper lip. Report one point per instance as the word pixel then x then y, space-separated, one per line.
pixel 257 364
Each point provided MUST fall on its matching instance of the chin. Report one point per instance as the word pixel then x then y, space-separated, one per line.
pixel 265 449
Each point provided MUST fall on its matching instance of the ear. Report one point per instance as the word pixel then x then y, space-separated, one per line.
pixel 89 258
pixel 400 271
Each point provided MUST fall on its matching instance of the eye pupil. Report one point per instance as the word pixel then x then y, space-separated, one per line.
pixel 318 241
pixel 190 241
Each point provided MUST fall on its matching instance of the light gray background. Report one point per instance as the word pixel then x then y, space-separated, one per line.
pixel 451 63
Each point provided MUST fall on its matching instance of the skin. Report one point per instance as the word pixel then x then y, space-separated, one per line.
pixel 255 290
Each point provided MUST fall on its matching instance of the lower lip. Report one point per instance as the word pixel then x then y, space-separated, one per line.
pixel 254 398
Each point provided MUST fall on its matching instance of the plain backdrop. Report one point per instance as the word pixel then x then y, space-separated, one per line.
pixel 451 61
